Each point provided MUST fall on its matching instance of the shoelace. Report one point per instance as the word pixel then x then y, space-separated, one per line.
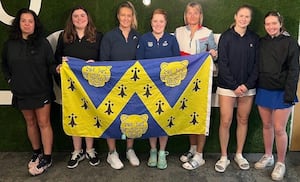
pixel 43 163
pixel 34 157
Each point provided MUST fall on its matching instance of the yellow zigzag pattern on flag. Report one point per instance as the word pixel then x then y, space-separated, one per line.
pixel 85 123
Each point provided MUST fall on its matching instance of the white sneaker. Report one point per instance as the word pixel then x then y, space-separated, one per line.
pixel 130 155
pixel 264 162
pixel 114 160
pixel 278 172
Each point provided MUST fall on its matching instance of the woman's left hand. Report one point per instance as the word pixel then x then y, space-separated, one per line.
pixel 213 53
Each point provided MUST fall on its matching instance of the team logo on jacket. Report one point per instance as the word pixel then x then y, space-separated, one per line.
pixel 165 43
pixel 150 44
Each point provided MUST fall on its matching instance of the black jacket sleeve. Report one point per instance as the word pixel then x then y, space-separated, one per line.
pixel 293 72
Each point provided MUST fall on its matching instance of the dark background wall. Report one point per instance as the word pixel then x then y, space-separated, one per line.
pixel 218 15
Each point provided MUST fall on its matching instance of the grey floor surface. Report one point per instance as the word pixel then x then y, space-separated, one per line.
pixel 13 167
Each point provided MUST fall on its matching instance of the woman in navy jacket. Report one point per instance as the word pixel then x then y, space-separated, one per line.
pixel 236 83
pixel 158 44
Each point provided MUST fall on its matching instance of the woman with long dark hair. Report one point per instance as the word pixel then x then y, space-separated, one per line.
pixel 80 39
pixel 276 91
pixel 28 65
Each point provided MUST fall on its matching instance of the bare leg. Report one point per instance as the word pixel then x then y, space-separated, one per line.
pixel 193 139
pixel 43 117
pixel 226 111
pixel 111 142
pixel 243 111
pixel 200 143
pixel 163 142
pixel 89 143
pixel 153 142
pixel 33 131
pixel 268 130
pixel 77 143
pixel 130 143
pixel 280 120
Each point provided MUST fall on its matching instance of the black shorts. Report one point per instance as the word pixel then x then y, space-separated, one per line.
pixel 24 103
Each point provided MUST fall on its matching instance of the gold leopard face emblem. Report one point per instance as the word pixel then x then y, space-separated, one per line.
pixel 134 126
pixel 97 76
pixel 173 73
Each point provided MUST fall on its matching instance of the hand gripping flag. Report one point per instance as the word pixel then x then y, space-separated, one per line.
pixel 137 98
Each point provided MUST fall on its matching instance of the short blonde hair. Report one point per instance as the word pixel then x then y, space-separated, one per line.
pixel 196 5
pixel 128 4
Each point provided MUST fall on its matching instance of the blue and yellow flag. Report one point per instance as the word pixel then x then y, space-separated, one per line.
pixel 137 98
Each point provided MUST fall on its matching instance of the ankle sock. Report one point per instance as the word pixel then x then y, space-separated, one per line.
pixel 198 156
pixel 37 151
pixel 239 156
pixel 47 157
pixel 193 148
pixel 223 158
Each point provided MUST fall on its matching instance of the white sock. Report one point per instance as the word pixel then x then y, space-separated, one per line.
pixel 193 148
pixel 224 158
pixel 239 155
pixel 198 156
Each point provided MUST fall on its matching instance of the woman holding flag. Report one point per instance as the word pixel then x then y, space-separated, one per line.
pixel 193 38
pixel 158 44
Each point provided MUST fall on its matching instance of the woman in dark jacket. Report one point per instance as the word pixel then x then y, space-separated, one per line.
pixel 276 92
pixel 236 83
pixel 28 64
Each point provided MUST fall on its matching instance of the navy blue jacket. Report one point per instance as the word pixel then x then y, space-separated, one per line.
pixel 238 59
pixel 149 47
pixel 114 46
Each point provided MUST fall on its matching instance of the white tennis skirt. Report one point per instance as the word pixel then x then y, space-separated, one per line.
pixel 230 93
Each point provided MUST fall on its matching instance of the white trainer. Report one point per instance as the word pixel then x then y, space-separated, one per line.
pixel 114 160
pixel 264 162
pixel 130 155
pixel 278 172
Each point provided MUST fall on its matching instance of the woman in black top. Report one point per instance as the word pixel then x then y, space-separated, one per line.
pixel 277 87
pixel 81 40
pixel 27 64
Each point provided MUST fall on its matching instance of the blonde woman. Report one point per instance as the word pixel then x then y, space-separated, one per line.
pixel 194 38
pixel 120 44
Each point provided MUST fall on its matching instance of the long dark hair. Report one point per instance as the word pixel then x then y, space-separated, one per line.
pixel 70 31
pixel 16 33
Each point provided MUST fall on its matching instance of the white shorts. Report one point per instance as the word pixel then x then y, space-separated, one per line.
pixel 230 93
